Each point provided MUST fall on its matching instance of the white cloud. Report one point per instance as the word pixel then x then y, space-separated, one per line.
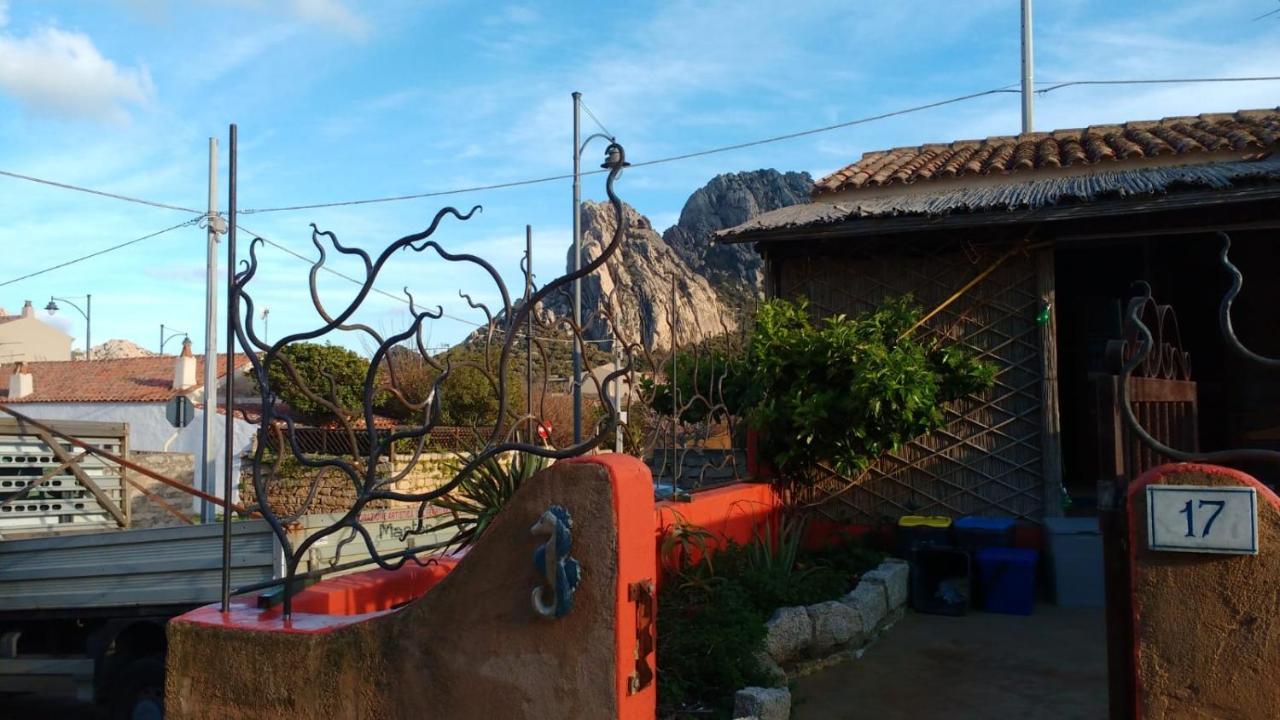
pixel 62 72
pixel 333 14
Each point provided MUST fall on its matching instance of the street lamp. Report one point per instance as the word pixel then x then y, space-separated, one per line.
pixel 86 311
pixel 166 337
pixel 614 154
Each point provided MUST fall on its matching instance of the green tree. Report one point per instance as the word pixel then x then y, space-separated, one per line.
pixel 847 390
pixel 328 372
pixel 468 397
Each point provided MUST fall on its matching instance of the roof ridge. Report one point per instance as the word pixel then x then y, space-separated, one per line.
pixel 1134 139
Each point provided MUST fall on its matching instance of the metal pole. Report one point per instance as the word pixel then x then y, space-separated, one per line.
pixel 161 338
pixel 528 332
pixel 577 263
pixel 232 309
pixel 88 327
pixel 675 403
pixel 617 397
pixel 209 469
pixel 1028 86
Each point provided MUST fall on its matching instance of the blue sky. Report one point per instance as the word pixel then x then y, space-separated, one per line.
pixel 344 100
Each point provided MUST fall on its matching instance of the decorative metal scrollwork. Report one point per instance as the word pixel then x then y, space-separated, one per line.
pixel 368 477
pixel 1166 360
pixel 1170 357
pixel 560 573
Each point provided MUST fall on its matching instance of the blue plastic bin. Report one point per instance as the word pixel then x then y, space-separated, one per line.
pixel 1008 580
pixel 974 533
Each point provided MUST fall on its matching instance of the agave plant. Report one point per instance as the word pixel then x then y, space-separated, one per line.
pixel 482 493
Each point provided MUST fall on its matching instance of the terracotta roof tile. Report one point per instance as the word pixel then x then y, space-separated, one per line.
pixel 125 380
pixel 1242 131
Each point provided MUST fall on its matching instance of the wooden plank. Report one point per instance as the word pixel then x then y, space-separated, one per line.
pixel 102 498
pixel 1050 422
pixel 42 480
pixel 1157 390
pixel 78 428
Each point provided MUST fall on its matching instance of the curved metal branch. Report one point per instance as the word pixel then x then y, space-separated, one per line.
pixel 1224 310
pixel 1133 323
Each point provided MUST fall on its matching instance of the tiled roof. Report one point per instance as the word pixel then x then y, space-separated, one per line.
pixel 126 380
pixel 1102 145
pixel 1030 194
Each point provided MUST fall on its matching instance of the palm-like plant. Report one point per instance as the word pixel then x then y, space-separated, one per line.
pixel 483 492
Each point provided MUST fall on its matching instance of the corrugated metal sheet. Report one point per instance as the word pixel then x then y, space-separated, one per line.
pixel 1029 194
pixel 123 568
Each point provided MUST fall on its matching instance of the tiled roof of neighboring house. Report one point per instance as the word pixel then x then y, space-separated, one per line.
pixel 1098 145
pixel 126 380
pixel 1028 195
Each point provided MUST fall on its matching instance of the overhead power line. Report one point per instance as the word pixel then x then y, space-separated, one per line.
pixel 103 251
pixel 103 193
pixel 673 158
pixel 594 119
pixel 1163 81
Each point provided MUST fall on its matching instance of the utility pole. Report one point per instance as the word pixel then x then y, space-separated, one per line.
pixel 208 479
pixel 1028 86
pixel 577 264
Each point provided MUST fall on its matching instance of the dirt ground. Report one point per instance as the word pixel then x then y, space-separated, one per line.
pixel 1049 665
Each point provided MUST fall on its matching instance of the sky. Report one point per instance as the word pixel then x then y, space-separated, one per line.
pixel 340 100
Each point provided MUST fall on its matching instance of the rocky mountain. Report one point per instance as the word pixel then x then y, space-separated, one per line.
pixel 118 349
pixel 712 280
pixel 638 281
pixel 728 200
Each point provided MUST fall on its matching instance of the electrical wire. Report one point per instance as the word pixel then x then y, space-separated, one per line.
pixel 104 251
pixel 595 119
pixel 91 191
pixel 659 161
pixel 1163 81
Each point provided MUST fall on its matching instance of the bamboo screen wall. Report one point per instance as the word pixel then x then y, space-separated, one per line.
pixel 987 459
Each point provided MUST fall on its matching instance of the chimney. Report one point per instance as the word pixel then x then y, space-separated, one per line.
pixel 184 370
pixel 28 310
pixel 21 383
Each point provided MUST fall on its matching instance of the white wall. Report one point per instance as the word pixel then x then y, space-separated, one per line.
pixel 150 430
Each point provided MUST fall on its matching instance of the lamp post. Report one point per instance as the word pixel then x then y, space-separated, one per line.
pixel 166 337
pixel 579 146
pixel 86 311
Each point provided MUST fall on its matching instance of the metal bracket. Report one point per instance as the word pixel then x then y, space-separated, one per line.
pixel 642 594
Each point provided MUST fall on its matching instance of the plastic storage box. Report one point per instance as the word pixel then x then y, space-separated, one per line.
pixel 974 533
pixel 919 530
pixel 940 580
pixel 1008 579
pixel 1075 558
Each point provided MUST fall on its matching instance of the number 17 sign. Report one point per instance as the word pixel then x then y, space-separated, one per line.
pixel 1196 518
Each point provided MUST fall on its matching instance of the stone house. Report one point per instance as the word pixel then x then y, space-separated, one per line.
pixel 1031 245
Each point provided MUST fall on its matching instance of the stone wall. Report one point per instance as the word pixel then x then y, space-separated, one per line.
pixel 147 513
pixel 335 493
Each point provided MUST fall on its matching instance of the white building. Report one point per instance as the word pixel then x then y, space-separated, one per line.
pixel 127 390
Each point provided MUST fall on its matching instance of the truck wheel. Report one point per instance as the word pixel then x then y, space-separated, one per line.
pixel 139 691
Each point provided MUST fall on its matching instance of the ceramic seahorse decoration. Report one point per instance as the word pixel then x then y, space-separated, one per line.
pixel 554 597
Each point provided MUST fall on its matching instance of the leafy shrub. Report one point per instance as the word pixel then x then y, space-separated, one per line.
pixel 712 607
pixel 467 396
pixel 331 372
pixel 849 389
pixel 709 634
